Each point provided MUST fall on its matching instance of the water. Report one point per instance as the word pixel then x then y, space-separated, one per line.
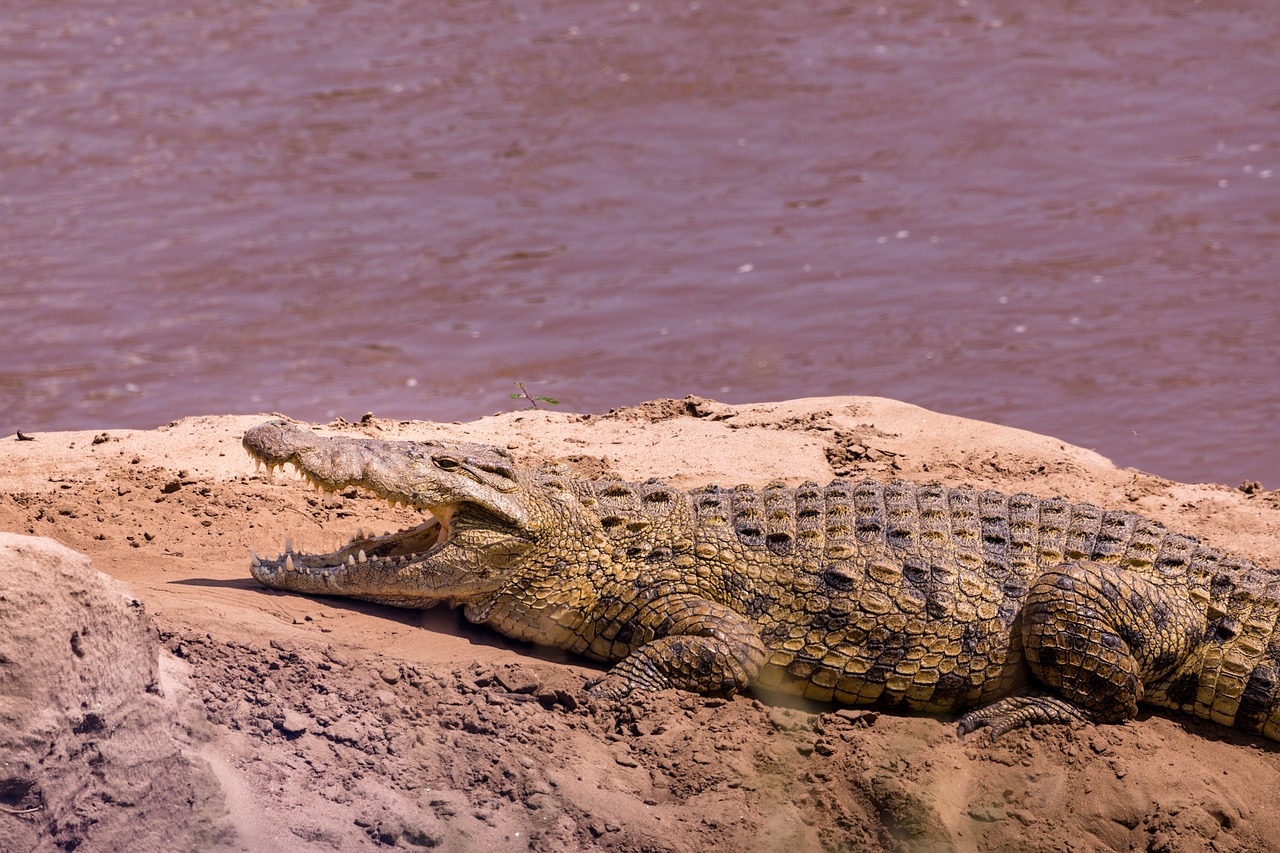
pixel 1060 216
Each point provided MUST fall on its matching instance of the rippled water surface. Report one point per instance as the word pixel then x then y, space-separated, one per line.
pixel 1063 216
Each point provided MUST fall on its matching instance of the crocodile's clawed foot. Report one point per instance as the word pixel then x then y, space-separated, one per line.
pixel 609 686
pixel 1018 711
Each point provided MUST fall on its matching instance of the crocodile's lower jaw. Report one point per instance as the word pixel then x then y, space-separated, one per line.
pixel 363 553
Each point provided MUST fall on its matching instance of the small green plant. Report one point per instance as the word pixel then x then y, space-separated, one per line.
pixel 523 394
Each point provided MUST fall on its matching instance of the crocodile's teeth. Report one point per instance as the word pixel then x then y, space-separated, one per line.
pixel 255 562
pixel 288 545
pixel 359 532
pixel 361 558
pixel 351 561
pixel 288 563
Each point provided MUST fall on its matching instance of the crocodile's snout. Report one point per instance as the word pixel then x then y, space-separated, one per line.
pixel 275 442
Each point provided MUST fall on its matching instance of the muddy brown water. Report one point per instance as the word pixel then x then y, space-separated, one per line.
pixel 1063 216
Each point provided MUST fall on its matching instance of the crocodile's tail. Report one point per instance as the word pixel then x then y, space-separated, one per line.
pixel 1233 677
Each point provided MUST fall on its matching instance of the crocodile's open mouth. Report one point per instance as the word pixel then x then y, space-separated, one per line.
pixel 389 549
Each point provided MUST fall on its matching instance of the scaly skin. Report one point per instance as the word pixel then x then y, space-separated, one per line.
pixel 1013 609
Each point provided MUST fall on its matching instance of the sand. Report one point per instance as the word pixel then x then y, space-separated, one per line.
pixel 154 692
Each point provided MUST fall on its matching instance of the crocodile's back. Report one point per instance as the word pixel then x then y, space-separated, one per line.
pixel 896 595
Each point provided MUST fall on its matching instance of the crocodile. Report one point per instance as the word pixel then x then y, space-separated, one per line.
pixel 1008 610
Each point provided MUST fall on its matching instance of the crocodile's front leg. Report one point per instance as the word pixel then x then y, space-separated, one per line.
pixel 697 645
pixel 1097 636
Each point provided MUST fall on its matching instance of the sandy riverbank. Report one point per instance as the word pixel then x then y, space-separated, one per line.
pixel 312 724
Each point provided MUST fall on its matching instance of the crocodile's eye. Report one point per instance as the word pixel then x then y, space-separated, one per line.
pixel 444 463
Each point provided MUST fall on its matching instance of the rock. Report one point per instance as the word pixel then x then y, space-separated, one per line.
pixel 83 680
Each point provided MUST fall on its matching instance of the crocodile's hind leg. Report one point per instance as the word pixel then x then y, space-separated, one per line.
pixel 1095 635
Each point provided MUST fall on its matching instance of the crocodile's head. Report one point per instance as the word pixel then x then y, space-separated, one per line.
pixel 479 507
